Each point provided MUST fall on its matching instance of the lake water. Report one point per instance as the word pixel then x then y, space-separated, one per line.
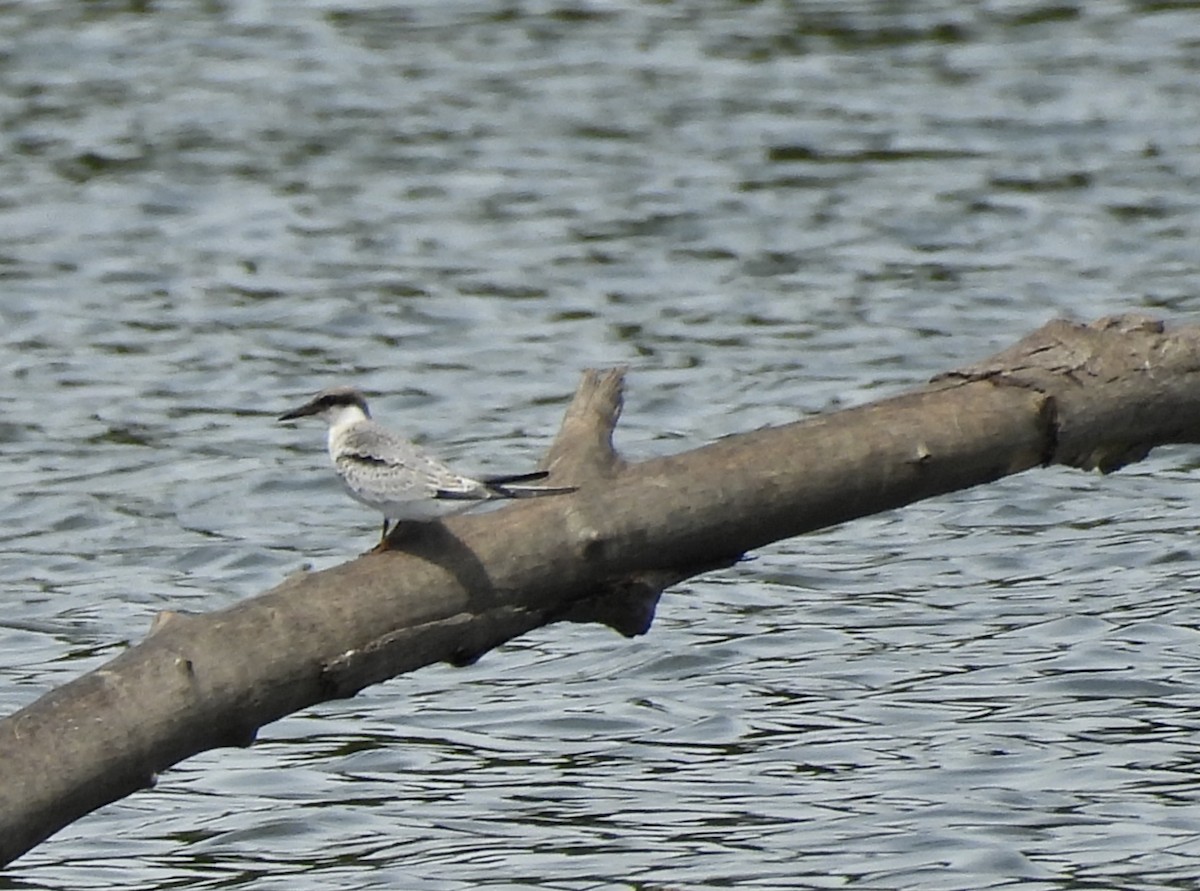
pixel 208 211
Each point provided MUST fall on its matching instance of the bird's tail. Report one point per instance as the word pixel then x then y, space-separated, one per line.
pixel 503 486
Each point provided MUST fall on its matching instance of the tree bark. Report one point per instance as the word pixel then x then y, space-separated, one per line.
pixel 1095 396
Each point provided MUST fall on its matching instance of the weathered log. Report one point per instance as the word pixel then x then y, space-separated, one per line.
pixel 1094 396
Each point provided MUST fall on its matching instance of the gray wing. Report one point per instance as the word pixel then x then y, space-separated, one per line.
pixel 377 465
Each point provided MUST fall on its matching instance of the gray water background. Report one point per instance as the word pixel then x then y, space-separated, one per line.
pixel 209 210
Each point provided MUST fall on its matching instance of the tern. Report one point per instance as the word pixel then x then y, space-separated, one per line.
pixel 386 472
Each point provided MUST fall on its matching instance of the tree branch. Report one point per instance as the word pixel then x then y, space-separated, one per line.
pixel 1095 396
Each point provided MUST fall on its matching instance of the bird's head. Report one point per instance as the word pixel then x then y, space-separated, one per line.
pixel 335 406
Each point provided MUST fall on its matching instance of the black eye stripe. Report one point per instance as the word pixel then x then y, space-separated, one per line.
pixel 335 399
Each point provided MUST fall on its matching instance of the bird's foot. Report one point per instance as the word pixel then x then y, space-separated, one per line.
pixel 385 540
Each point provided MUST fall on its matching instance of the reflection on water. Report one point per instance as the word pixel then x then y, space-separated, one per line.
pixel 767 210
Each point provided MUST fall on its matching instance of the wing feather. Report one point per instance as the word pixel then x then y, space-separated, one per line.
pixel 380 467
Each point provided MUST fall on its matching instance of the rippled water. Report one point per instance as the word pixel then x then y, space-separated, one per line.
pixel 208 211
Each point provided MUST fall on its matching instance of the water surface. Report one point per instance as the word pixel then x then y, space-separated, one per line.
pixel 766 210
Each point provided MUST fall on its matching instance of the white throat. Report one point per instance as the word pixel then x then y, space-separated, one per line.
pixel 340 418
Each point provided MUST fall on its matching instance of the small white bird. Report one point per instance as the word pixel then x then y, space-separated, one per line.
pixel 392 475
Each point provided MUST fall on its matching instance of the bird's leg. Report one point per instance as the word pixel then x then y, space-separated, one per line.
pixel 383 540
pixel 388 537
